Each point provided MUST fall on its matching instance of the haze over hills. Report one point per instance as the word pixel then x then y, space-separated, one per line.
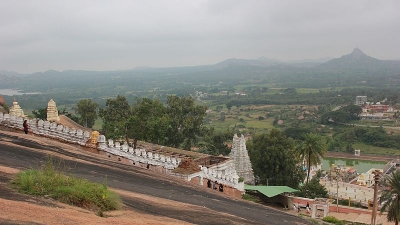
pixel 358 60
pixel 347 69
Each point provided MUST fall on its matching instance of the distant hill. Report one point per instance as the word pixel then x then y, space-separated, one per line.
pixel 263 61
pixel 9 73
pixel 347 70
pixel 245 62
pixel 357 62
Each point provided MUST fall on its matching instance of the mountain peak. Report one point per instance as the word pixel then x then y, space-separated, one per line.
pixel 357 53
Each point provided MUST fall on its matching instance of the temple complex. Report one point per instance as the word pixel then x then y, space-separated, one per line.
pixel 241 158
pixel 52 111
pixel 16 110
pixel 215 172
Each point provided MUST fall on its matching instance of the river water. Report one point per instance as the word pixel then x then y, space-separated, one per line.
pixel 12 92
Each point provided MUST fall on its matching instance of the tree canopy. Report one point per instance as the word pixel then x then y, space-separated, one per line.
pixel 273 159
pixel 148 122
pixel 115 116
pixel 312 189
pixel 178 124
pixel 390 197
pixel 87 111
pixel 312 150
pixel 185 121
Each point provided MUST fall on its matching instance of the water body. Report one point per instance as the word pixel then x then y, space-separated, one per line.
pixel 12 92
pixel 361 166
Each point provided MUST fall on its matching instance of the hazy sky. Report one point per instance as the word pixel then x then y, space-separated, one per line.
pixel 110 35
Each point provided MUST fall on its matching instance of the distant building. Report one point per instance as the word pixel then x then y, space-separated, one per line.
pixel 16 110
pixel 360 100
pixel 379 108
pixel 375 116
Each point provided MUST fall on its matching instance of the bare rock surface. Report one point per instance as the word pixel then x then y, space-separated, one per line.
pixel 148 197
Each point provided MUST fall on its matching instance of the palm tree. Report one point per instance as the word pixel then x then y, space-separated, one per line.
pixel 312 150
pixel 390 198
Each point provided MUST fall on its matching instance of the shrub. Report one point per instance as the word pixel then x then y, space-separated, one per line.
pixel 249 197
pixel 334 220
pixel 48 181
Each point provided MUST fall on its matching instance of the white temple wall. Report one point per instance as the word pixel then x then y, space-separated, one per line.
pixel 224 173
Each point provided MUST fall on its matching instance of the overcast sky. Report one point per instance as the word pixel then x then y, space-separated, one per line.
pixel 117 35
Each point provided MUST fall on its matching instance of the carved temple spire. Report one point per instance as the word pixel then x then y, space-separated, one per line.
pixel 242 160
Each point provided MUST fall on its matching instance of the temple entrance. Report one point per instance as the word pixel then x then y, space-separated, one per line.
pixel 316 207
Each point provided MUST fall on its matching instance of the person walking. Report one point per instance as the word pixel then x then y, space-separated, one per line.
pixel 26 126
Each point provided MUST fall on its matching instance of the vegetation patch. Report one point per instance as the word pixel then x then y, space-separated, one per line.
pixel 49 181
pixel 333 220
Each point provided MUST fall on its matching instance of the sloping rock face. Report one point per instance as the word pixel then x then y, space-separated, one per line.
pixel 65 121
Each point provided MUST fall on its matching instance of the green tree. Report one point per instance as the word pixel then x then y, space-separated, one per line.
pixel 336 117
pixel 215 143
pixel 349 138
pixel 222 116
pixel 312 150
pixel 115 116
pixel 148 122
pixel 354 110
pixel 87 111
pixel 297 132
pixel 40 113
pixel 390 197
pixel 273 159
pixel 186 121
pixel 312 190
pixel 229 106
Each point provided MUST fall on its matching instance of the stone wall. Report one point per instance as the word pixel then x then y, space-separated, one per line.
pixel 158 160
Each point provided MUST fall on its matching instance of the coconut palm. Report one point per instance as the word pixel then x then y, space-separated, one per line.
pixel 390 198
pixel 312 150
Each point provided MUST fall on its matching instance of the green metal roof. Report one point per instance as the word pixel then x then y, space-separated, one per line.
pixel 270 191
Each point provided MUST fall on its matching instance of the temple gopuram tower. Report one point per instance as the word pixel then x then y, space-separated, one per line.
pixel 241 158
pixel 52 111
pixel 16 110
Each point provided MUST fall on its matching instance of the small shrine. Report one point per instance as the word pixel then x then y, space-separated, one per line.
pixel 93 137
pixel 241 158
pixel 16 110
pixel 52 111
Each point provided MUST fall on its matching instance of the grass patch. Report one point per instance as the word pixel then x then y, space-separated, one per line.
pixel 261 124
pixel 98 124
pixel 369 149
pixel 251 198
pixel 49 181
pixel 333 220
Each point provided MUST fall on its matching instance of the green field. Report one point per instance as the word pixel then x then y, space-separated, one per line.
pixel 368 149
